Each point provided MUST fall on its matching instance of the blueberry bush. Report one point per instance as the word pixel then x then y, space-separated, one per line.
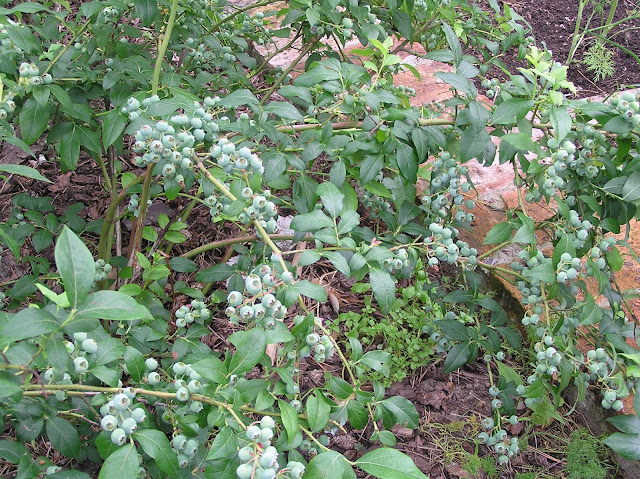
pixel 105 355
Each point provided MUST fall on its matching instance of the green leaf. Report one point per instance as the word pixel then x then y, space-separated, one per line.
pixel 544 272
pixel 358 415
pixel 631 188
pixel 224 445
pixel 565 245
pixel 458 355
pixel 27 323
pixel 289 419
pixel 112 127
pixel 340 388
pixel 318 410
pixel 314 221
pixel 591 312
pixel 561 121
pixel 8 385
pixel 454 329
pixel 69 474
pixel 420 140
pixel 242 97
pixel 283 109
pixel 23 170
pixel 526 234
pixel 219 272
pixel 521 141
pixel 309 257
pixel 614 259
pixel 510 111
pixel 459 83
pixel 387 463
pixel 384 288
pixel 348 221
pixel 211 368
pixel 76 266
pixel 402 21
pixel 57 355
pixel 34 119
pixel 453 42
pixel 135 363
pixel 509 373
pixel 183 265
pixel 24 37
pixel 407 162
pixel 378 361
pixel 109 349
pixel 249 349
pixel 331 198
pixel 11 451
pixel 402 410
pixel 63 436
pixel 338 261
pixel 122 464
pixel 311 290
pixel 619 125
pixel 113 305
pixel 473 142
pixel 326 465
pixel 627 445
pixel 628 423
pixel 318 74
pixel 146 10
pixel 156 445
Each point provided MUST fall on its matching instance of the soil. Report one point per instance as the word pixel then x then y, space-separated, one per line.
pixel 553 23
pixel 450 406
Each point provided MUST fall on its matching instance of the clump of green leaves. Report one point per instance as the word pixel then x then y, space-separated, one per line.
pixel 599 60
pixel 585 456
pixel 402 332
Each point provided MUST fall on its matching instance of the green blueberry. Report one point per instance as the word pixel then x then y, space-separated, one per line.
pixel 90 345
pixel 80 364
pixel 129 425
pixel 253 433
pixel 244 471
pixel 118 436
pixel 109 423
pixel 182 394
pixel 153 378
pixel 179 442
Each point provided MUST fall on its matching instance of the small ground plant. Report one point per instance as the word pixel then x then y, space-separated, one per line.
pixel 108 356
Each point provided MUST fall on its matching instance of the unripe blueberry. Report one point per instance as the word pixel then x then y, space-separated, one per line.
pixel 179 442
pixel 182 394
pixel 286 277
pixel 151 364
pixel 267 421
pixel 129 425
pixel 80 364
pixel 244 471
pixel 253 433
pixel 118 436
pixel 121 401
pixel 153 378
pixel 138 415
pixel 90 345
pixel 179 368
pixel 109 423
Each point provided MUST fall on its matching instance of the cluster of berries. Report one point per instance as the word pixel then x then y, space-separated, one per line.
pixel 120 416
pixel 102 270
pixel 187 314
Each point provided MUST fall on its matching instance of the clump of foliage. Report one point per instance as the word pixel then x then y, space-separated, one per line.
pixel 106 356
pixel 585 456
pixel 403 332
